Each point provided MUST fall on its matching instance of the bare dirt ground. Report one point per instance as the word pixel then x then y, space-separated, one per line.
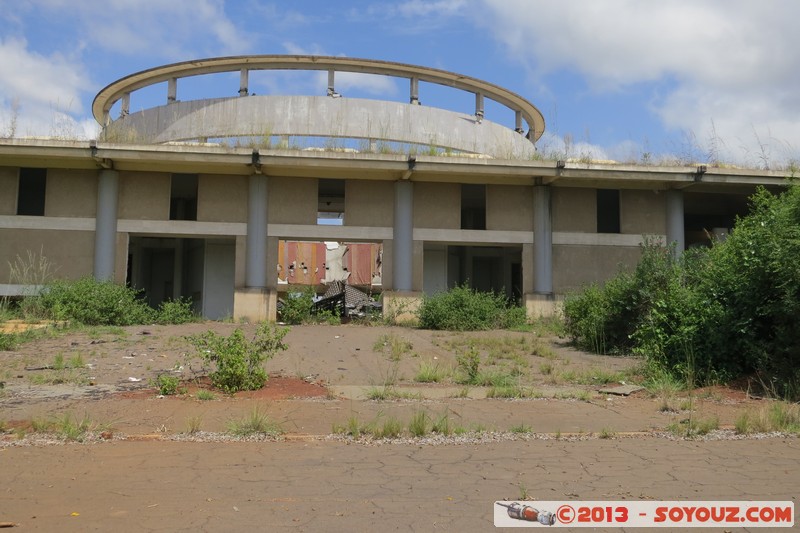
pixel 167 462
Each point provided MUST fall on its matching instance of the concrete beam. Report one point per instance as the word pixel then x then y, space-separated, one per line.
pixel 106 98
pixel 319 116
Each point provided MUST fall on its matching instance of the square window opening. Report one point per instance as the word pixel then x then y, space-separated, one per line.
pixel 473 206
pixel 330 202
pixel 608 211
pixel 31 191
pixel 183 197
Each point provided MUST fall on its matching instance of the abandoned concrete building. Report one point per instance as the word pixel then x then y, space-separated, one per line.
pixel 211 198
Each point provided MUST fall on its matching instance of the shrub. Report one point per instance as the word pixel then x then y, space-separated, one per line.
pixel 175 312
pixel 239 362
pixel 91 302
pixel 469 363
pixel 464 309
pixel 714 314
pixel 296 309
pixel 8 341
pixel 102 303
pixel 167 385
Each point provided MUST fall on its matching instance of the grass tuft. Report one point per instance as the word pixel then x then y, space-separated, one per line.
pixel 255 423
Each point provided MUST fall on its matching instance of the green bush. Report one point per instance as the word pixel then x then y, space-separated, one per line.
pixel 754 276
pixel 464 309
pixel 102 303
pixel 92 302
pixel 8 341
pixel 296 307
pixel 178 311
pixel 239 362
pixel 167 385
pixel 468 363
pixel 714 314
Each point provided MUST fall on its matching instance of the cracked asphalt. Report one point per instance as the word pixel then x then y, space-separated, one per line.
pixel 338 486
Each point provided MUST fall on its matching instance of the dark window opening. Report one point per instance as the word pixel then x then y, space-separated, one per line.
pixel 473 206
pixel 183 197
pixel 330 202
pixel 31 191
pixel 608 211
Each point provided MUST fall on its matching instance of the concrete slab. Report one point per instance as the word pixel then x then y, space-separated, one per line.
pixel 622 390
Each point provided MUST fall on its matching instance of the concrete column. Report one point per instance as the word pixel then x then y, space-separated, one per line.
pixel 331 82
pixel 414 98
pixel 244 75
pixel 105 233
pixel 256 254
pixel 479 107
pixel 125 107
pixel 675 229
pixel 172 90
pixel 403 236
pixel 542 241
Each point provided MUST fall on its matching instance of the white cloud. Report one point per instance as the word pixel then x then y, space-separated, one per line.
pixel 369 83
pixel 423 8
pixel 733 62
pixel 174 29
pixel 43 92
pixel 425 15
pixel 35 89
pixel 552 146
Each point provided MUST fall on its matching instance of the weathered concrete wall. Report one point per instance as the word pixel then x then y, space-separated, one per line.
pixel 70 252
pixel 368 203
pixel 70 193
pixel 292 200
pixel 574 266
pixel 437 205
pixel 221 198
pixel 417 280
pixel 9 181
pixel 574 209
pixel 240 259
pixel 218 280
pixel 320 116
pixel 388 270
pixel 144 195
pixel 642 212
pixel 435 270
pixel 509 207
pixel 121 258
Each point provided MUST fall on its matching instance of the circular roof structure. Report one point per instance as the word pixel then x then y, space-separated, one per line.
pixel 318 116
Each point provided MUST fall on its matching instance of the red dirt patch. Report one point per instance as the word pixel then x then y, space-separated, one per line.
pixel 283 388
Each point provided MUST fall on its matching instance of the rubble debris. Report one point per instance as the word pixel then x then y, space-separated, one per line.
pixel 346 301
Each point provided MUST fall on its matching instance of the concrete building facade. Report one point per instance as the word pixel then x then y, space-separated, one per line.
pixel 161 202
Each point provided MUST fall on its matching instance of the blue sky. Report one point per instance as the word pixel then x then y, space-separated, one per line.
pixel 701 80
